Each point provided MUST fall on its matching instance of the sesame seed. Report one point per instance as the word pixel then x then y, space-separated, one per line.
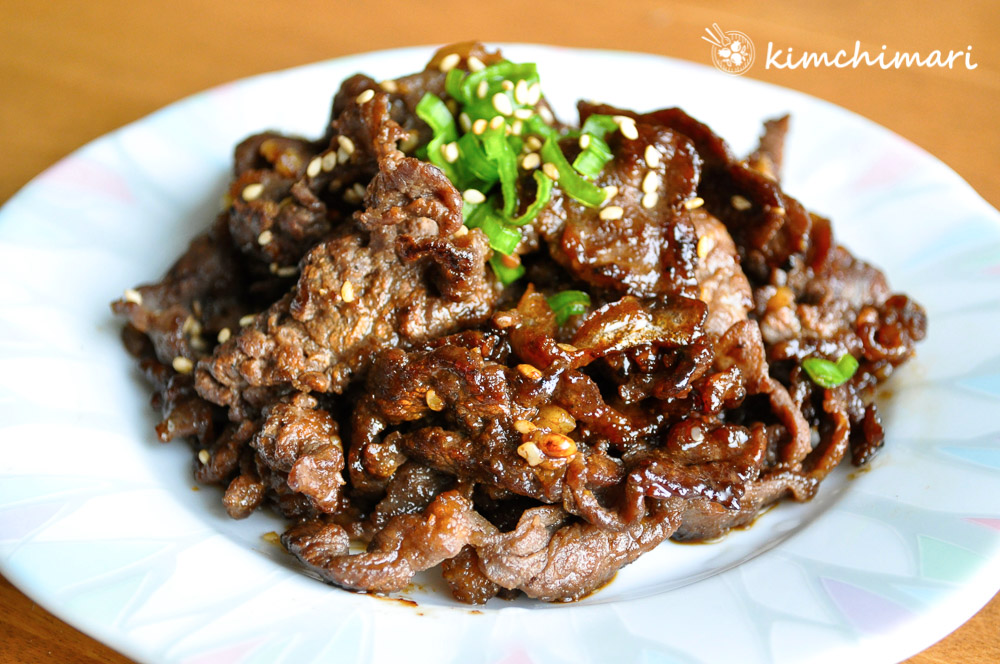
pixel 510 260
pixel 694 203
pixel 507 85
pixel 551 170
pixel 359 189
pixel 532 143
pixel 449 62
pixel 482 89
pixel 531 161
pixel 501 102
pixel 224 335
pixel 450 152
pixel 346 143
pixel 246 320
pixel 287 271
pixel 273 538
pixel 610 192
pixel 462 230
pixel 534 93
pixel 521 94
pixel 434 402
pixel 558 445
pixel 740 203
pixel 697 435
pixel 365 96
pixel 265 237
pixel 389 86
pixel 252 192
pixel 410 141
pixel 584 141
pixel 191 326
pixel 479 126
pixel 273 267
pixel 704 246
pixel 204 457
pixel 523 113
pixel 627 127
pixel 505 319
pixel 475 64
pixel 650 182
pixel 343 156
pixel 652 156
pixel 530 453
pixel 524 426
pixel 473 196
pixel 611 212
pixel 569 348
pixel 496 121
pixel 650 200
pixel 778 210
pixel 182 365
pixel 464 121
pixel 329 161
pixel 554 418
pixel 314 167
pixel 516 127
pixel 546 115
pixel 347 291
pixel 529 371
pixel 132 295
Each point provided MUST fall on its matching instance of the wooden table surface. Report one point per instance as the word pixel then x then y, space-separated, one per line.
pixel 72 71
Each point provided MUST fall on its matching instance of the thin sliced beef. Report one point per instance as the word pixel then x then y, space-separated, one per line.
pixel 647 249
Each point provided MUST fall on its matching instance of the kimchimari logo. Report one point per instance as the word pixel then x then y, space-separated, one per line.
pixel 732 51
pixel 783 59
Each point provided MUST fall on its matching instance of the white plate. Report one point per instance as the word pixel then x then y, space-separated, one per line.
pixel 99 522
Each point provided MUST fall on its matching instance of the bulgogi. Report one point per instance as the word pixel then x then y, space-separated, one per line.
pixel 469 335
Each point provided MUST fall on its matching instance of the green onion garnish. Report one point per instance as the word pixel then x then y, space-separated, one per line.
pixel 571 182
pixel 592 160
pixel 435 113
pixel 828 374
pixel 475 163
pixel 503 96
pixel 506 275
pixel 568 303
pixel 502 237
pixel 542 197
pixel 599 125
pixel 498 151
pixel 453 84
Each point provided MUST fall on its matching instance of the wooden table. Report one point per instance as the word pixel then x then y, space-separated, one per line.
pixel 72 71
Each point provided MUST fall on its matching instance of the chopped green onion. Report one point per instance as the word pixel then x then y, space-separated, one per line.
pixel 502 237
pixel 498 151
pixel 506 275
pixel 598 125
pixel 536 125
pixel 435 113
pixel 497 73
pixel 571 182
pixel 453 85
pixel 474 160
pixel 828 374
pixel 592 160
pixel 542 197
pixel 568 303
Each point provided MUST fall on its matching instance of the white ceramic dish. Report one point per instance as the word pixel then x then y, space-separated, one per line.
pixel 99 523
